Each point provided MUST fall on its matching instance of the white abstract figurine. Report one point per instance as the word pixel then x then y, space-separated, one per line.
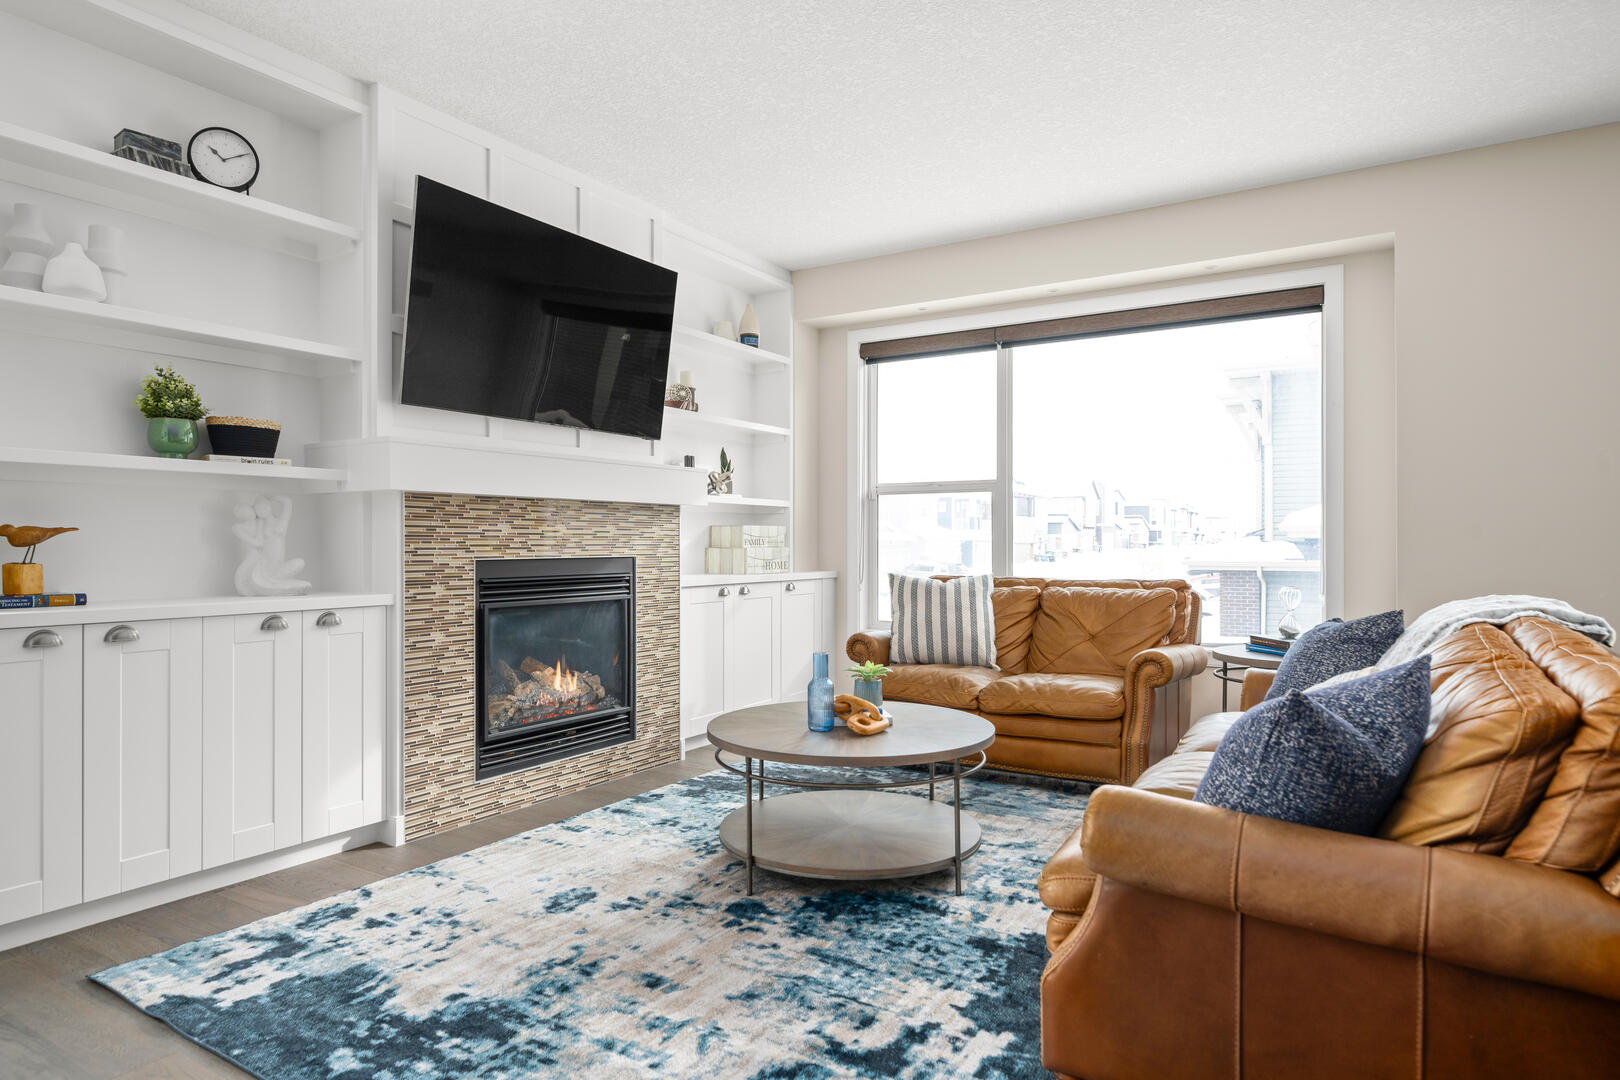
pixel 265 569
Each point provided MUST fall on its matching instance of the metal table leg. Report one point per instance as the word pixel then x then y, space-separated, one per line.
pixel 956 785
pixel 748 796
pixel 930 781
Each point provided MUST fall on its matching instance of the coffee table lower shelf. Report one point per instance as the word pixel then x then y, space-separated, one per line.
pixel 850 835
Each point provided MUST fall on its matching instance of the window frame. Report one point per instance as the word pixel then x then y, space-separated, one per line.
pixel 861 587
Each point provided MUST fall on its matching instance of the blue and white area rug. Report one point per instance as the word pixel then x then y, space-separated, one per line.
pixel 620 944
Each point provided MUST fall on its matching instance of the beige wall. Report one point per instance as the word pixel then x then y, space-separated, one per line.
pixel 1479 455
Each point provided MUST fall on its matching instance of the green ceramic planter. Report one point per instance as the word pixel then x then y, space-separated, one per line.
pixel 171 438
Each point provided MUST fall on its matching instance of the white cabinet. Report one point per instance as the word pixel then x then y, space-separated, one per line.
pixel 252 755
pixel 342 720
pixel 704 625
pixel 41 811
pixel 142 753
pixel 748 643
pixel 804 632
pixel 751 675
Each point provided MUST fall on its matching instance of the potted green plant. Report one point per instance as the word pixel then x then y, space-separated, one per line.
pixel 172 408
pixel 869 681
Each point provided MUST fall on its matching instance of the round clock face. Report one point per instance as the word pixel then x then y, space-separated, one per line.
pixel 223 158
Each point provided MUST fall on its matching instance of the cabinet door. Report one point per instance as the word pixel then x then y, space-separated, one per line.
pixel 252 794
pixel 801 638
pixel 703 658
pixel 342 720
pixel 752 652
pixel 41 807
pixel 142 753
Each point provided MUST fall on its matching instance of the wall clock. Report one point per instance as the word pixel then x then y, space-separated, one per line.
pixel 224 158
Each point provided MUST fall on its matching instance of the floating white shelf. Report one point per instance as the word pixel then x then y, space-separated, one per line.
pixel 743 500
pixel 677 421
pixel 687 339
pixel 169 335
pixel 86 467
pixel 691 255
pixel 104 611
pixel 79 172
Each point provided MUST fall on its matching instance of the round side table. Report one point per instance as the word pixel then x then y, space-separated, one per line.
pixel 1234 660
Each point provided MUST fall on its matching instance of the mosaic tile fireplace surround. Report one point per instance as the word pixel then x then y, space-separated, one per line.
pixel 447 537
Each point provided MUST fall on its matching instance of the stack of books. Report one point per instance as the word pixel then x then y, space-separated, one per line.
pixel 33 600
pixel 1270 646
pixel 746 549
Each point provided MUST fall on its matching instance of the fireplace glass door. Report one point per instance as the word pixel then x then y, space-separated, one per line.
pixel 546 662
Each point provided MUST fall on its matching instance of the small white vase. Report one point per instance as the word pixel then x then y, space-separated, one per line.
pixel 106 250
pixel 27 232
pixel 23 270
pixel 73 274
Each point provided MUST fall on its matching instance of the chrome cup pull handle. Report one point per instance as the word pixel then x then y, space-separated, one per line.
pixel 329 619
pixel 724 591
pixel 792 586
pixel 122 634
pixel 273 622
pixel 43 639
pixel 745 590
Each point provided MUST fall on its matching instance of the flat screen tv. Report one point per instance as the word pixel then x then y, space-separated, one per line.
pixel 508 316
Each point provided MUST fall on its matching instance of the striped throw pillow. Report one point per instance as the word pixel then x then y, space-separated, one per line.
pixel 942 622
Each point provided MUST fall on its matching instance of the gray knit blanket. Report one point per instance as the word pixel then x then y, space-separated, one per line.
pixel 1438 623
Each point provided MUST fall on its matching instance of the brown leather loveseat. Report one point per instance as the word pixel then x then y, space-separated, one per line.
pixel 1477 935
pixel 1089 680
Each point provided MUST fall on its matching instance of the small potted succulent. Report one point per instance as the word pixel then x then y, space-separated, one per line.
pixel 172 408
pixel 869 681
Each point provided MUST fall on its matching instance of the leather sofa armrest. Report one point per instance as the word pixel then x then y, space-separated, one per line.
pixel 1148 671
pixel 1256 684
pixel 868 645
pixel 1067 882
pixel 1507 918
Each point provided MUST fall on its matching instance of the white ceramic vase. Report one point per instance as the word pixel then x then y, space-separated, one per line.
pixel 106 250
pixel 27 244
pixel 27 232
pixel 73 274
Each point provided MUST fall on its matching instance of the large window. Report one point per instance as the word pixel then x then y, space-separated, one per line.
pixel 1190 450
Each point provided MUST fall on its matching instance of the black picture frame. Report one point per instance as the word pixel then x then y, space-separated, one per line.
pixel 257 162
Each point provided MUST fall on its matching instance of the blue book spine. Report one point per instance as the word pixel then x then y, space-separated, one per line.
pixel 43 600
pixel 1268 652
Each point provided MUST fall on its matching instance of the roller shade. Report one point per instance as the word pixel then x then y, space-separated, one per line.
pixel 1223 309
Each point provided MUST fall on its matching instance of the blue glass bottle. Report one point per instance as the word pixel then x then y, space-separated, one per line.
pixel 821 696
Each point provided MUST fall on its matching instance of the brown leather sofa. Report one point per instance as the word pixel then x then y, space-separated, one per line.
pixel 1089 682
pixel 1477 935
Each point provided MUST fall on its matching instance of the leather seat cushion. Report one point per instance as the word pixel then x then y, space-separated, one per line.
pixel 1178 774
pixel 1078 697
pixel 1097 631
pixel 1208 732
pixel 950 685
pixel 1055 729
pixel 1576 826
pixel 1499 727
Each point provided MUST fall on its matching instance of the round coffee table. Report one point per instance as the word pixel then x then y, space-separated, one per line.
pixel 845 828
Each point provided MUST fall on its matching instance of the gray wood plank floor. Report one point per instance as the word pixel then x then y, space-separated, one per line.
pixel 56 1023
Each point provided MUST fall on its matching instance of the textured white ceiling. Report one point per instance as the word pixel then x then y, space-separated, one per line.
pixel 811 133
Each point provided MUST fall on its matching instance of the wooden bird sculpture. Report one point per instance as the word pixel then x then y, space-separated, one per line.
pixel 861 716
pixel 30 536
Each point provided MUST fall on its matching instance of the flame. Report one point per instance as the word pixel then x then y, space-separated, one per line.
pixel 563 680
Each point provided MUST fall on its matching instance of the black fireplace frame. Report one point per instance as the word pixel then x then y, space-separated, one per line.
pixel 504 583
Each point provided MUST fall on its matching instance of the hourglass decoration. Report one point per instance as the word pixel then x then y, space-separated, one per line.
pixel 1288 626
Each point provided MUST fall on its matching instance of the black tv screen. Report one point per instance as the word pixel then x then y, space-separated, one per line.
pixel 511 317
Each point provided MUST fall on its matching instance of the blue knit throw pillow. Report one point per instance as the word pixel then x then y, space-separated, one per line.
pixel 1333 648
pixel 1335 758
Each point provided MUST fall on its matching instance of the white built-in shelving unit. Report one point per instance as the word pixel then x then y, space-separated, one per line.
pixel 82 467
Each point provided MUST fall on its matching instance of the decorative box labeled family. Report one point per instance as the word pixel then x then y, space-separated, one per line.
pixel 746 549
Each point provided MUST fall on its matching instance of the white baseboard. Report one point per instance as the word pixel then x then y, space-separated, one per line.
pixel 111 907
pixel 393 830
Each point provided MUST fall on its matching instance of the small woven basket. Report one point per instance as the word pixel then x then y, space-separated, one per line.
pixel 243 436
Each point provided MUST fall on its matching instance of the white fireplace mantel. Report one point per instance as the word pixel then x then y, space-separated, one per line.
pixel 433 462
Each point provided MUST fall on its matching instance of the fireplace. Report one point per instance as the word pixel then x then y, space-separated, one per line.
pixel 556 659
